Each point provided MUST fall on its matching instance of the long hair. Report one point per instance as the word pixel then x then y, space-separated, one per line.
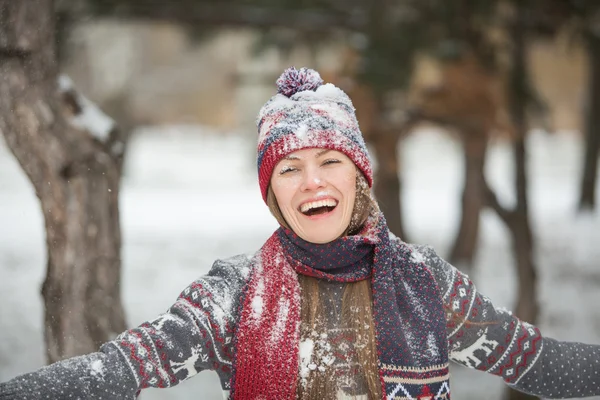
pixel 357 315
pixel 357 308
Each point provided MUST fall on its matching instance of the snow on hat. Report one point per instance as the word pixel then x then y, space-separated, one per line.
pixel 305 113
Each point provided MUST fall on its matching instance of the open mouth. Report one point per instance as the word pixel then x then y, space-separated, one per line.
pixel 318 207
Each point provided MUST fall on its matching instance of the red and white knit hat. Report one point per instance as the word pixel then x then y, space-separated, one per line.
pixel 305 113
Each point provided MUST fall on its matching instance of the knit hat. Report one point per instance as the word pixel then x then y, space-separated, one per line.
pixel 305 113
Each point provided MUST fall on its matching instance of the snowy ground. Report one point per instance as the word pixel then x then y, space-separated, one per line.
pixel 188 199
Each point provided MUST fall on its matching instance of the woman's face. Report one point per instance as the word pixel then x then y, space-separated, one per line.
pixel 315 190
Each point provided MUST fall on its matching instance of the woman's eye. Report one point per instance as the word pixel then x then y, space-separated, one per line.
pixel 286 170
pixel 331 161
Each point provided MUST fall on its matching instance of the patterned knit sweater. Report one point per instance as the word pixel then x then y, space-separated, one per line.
pixel 196 334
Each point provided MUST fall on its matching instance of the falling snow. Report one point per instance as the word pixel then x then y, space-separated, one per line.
pixel 174 228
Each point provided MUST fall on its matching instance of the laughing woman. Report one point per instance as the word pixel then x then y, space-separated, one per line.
pixel 333 306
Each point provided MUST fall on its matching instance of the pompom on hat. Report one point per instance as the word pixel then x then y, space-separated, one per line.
pixel 305 113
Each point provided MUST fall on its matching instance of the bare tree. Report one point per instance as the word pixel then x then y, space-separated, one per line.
pixel 589 176
pixel 517 219
pixel 310 23
pixel 75 170
pixel 382 135
pixel 580 19
pixel 467 101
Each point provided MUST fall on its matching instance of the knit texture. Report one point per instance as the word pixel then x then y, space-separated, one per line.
pixel 197 332
pixel 407 311
pixel 305 113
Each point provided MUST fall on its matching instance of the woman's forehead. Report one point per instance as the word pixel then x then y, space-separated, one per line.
pixel 313 153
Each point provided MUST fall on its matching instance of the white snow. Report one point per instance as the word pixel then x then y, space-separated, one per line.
pixel 257 307
pixel 334 111
pixel 188 199
pixel 280 323
pixel 258 302
pixel 91 118
pixel 328 91
pixel 97 368
pixel 305 350
pixel 434 351
pixel 417 257
pixel 277 101
pixel 301 132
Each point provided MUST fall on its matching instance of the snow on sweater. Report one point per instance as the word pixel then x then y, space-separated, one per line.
pixel 196 334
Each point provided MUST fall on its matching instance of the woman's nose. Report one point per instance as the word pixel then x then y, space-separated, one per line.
pixel 312 179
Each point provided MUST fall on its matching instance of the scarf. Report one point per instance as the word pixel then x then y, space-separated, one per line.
pixel 410 322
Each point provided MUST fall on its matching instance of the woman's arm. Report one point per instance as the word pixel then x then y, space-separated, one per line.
pixel 193 335
pixel 491 339
pixel 101 375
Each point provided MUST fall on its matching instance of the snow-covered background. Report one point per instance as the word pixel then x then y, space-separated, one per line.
pixel 190 196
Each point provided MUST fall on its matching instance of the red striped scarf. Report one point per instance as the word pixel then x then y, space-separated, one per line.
pixel 407 310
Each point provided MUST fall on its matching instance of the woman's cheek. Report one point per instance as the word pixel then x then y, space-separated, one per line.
pixel 349 176
pixel 285 183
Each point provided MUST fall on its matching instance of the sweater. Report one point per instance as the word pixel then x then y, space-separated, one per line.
pixel 197 332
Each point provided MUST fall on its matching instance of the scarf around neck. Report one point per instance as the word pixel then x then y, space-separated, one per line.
pixel 409 318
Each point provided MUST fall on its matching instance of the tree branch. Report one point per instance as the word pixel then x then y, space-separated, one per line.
pixel 13 52
pixel 491 200
pixel 208 13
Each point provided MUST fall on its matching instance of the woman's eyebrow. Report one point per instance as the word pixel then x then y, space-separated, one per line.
pixel 291 157
pixel 319 154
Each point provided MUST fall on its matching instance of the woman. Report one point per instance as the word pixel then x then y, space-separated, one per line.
pixel 333 305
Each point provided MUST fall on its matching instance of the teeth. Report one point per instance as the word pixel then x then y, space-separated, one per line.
pixel 316 204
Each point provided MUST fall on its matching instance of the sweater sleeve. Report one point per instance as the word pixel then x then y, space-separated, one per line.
pixel 195 334
pixel 491 339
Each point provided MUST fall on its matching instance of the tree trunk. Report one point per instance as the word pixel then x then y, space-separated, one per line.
pixel 75 177
pixel 521 229
pixel 522 242
pixel 522 238
pixel 463 250
pixel 382 135
pixel 587 194
pixel 527 306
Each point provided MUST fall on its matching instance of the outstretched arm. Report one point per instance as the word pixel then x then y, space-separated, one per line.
pixel 193 335
pixel 493 340
pixel 101 375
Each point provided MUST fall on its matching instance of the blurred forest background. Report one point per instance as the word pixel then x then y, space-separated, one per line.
pixel 483 117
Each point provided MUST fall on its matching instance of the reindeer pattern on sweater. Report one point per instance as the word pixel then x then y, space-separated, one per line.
pixel 197 333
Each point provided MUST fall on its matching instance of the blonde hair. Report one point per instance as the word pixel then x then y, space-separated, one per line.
pixel 357 307
pixel 357 296
pixel 357 315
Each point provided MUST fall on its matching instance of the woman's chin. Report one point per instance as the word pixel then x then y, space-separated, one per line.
pixel 321 228
pixel 320 236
